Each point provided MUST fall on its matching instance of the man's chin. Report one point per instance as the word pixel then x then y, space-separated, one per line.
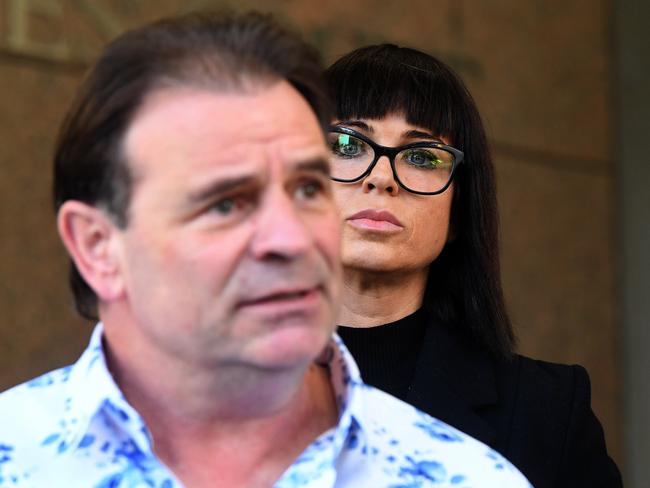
pixel 288 348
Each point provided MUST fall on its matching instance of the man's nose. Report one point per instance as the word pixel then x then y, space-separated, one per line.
pixel 381 178
pixel 280 230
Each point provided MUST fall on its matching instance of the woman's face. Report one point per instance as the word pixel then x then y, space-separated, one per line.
pixel 385 227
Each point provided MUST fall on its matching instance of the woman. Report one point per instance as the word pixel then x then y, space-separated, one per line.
pixel 423 311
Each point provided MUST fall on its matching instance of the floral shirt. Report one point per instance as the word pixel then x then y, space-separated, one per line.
pixel 73 428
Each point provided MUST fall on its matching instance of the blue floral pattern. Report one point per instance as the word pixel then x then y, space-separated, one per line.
pixel 73 428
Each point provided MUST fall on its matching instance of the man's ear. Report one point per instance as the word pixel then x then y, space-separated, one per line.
pixel 91 238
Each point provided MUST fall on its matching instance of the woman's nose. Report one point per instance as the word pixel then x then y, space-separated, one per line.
pixel 381 178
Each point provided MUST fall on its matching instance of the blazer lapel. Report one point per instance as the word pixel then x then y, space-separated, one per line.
pixel 452 381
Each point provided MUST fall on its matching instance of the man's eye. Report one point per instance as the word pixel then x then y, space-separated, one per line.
pixel 310 189
pixel 224 206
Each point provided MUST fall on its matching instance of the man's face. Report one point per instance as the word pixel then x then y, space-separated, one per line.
pixel 231 253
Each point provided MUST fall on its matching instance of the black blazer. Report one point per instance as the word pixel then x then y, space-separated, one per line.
pixel 536 414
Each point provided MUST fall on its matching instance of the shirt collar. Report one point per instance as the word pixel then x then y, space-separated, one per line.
pixel 346 383
pixel 321 458
pixel 91 389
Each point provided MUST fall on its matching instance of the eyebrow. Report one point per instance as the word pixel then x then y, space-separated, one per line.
pixel 419 134
pixel 320 165
pixel 222 186
pixel 409 134
pixel 229 184
pixel 356 123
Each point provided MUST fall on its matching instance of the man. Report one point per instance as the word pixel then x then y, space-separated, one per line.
pixel 192 192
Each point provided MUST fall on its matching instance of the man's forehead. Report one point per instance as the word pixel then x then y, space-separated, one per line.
pixel 278 97
pixel 197 126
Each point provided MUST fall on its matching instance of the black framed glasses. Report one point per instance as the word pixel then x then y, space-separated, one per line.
pixel 424 168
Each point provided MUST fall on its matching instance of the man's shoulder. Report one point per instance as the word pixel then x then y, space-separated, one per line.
pixel 36 425
pixel 48 385
pixel 424 448
pixel 34 405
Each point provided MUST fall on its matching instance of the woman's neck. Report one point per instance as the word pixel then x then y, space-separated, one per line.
pixel 371 299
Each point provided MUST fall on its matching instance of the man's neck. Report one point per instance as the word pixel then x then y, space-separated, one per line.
pixel 371 299
pixel 246 452
pixel 210 433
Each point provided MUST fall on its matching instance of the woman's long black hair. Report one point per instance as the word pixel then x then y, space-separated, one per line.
pixel 464 285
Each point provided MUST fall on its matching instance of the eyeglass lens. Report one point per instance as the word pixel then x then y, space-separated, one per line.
pixel 422 169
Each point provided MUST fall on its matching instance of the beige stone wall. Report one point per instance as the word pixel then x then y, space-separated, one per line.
pixel 540 71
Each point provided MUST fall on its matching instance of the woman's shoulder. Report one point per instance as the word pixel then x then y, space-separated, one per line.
pixel 537 413
pixel 550 417
pixel 559 393
pixel 522 371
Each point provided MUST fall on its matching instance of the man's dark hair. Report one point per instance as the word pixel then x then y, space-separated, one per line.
pixel 226 52
pixel 464 286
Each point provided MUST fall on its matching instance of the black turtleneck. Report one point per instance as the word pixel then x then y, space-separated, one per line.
pixel 387 354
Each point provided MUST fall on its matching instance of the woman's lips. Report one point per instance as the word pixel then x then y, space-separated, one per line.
pixel 378 220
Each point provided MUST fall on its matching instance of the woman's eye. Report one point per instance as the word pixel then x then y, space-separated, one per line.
pixel 349 149
pixel 347 146
pixel 421 158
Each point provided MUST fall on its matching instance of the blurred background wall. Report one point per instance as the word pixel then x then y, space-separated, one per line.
pixel 560 85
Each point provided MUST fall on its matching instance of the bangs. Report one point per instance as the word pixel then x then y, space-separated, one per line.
pixel 374 81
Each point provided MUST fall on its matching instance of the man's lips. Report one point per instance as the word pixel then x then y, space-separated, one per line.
pixel 375 220
pixel 281 296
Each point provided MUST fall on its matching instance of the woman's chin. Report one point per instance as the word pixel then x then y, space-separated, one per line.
pixel 371 263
